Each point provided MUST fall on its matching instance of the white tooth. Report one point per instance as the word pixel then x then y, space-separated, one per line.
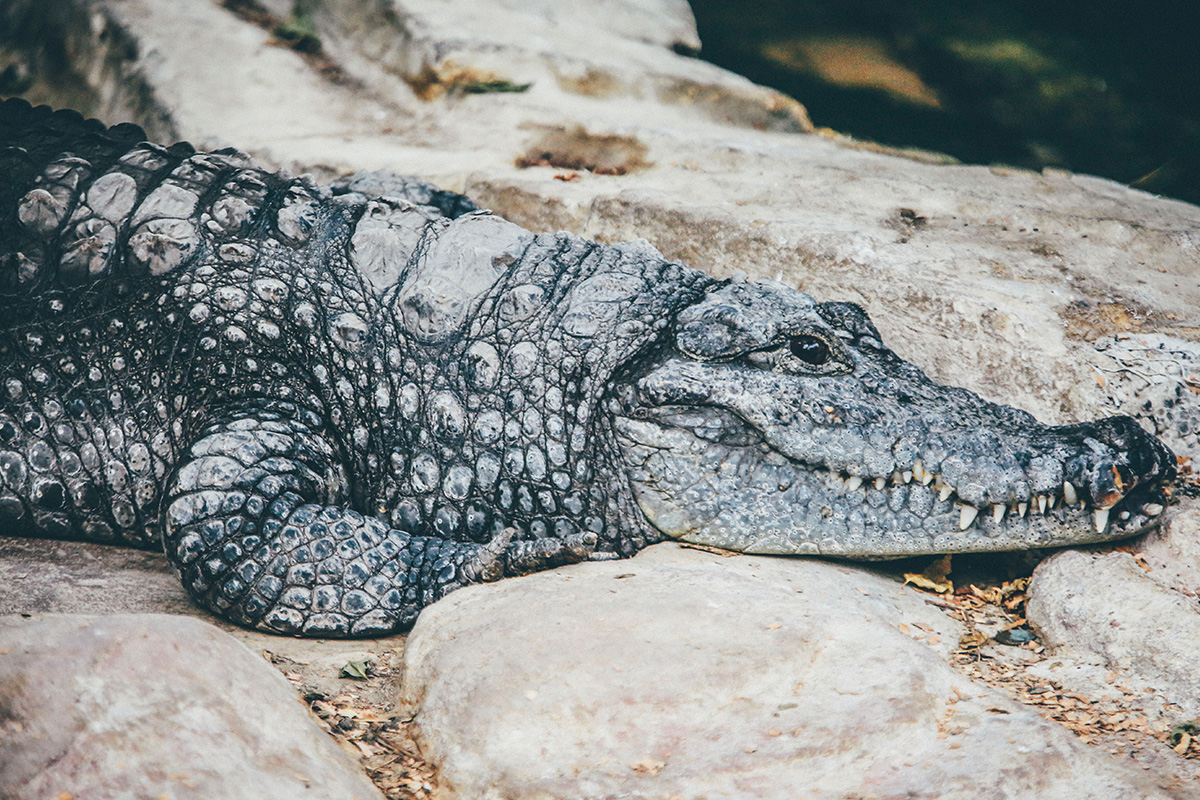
pixel 1053 501
pixel 1022 508
pixel 879 483
pixel 1152 509
pixel 922 474
pixel 853 483
pixel 966 515
pixel 897 477
pixel 1041 503
pixel 945 492
pixel 1100 519
pixel 1125 515
pixel 998 512
pixel 1070 497
pixel 907 476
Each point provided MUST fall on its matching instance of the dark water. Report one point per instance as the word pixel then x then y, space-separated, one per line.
pixel 1106 88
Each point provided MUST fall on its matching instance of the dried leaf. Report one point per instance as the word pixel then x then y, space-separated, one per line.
pixel 933 578
pixel 356 669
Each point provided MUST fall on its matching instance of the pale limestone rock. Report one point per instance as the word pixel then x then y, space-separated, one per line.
pixel 686 674
pixel 1157 378
pixel 1173 551
pixel 1107 609
pixel 150 705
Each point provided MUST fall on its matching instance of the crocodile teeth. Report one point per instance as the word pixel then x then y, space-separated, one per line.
pixel 921 474
pixel 908 476
pixel 966 515
pixel 853 483
pixel 1070 497
pixel 998 512
pixel 945 492
pixel 1100 519
pixel 1052 501
pixel 1022 508
pixel 1152 509
pixel 1041 503
pixel 879 483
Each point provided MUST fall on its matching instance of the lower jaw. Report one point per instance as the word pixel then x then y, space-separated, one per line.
pixel 869 535
pixel 757 501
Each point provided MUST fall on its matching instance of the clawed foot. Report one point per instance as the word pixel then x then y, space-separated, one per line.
pixel 533 555
pixel 487 564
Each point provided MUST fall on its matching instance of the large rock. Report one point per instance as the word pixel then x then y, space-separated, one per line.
pixel 1107 609
pixel 682 673
pixel 152 705
pixel 1155 377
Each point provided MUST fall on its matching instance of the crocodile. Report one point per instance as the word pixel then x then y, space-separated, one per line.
pixel 332 405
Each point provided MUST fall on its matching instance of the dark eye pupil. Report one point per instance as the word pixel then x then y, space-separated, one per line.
pixel 810 350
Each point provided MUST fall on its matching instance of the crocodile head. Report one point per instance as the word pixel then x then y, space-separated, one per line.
pixel 770 423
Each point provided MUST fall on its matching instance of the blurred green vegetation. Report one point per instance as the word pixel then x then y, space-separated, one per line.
pixel 1102 87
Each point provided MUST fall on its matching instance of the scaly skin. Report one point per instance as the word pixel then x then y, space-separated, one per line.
pixel 332 408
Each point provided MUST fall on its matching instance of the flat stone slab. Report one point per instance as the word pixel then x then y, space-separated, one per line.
pixel 684 673
pixel 1110 610
pixel 153 705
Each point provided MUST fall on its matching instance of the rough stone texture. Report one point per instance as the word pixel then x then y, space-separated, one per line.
pixel 154 706
pixel 1108 609
pixel 1158 378
pixel 1173 551
pixel 682 673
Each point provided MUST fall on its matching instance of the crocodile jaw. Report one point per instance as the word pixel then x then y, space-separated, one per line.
pixel 703 474
pixel 728 488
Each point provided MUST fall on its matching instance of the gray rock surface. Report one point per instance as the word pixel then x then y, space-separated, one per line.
pixel 1157 378
pixel 151 705
pixel 681 673
pixel 1173 552
pixel 1107 609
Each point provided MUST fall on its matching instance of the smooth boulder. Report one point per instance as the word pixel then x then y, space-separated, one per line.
pixel 687 674
pixel 155 705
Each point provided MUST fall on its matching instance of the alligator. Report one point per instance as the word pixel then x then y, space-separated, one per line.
pixel 332 405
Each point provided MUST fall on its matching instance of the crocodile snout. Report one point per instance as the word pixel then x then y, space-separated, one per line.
pixel 1114 457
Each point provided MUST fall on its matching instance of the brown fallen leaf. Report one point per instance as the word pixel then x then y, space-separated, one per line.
pixel 934 577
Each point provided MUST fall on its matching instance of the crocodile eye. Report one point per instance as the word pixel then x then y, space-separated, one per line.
pixel 810 349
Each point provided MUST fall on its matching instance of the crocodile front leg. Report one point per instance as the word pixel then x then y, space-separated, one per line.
pixel 254 520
